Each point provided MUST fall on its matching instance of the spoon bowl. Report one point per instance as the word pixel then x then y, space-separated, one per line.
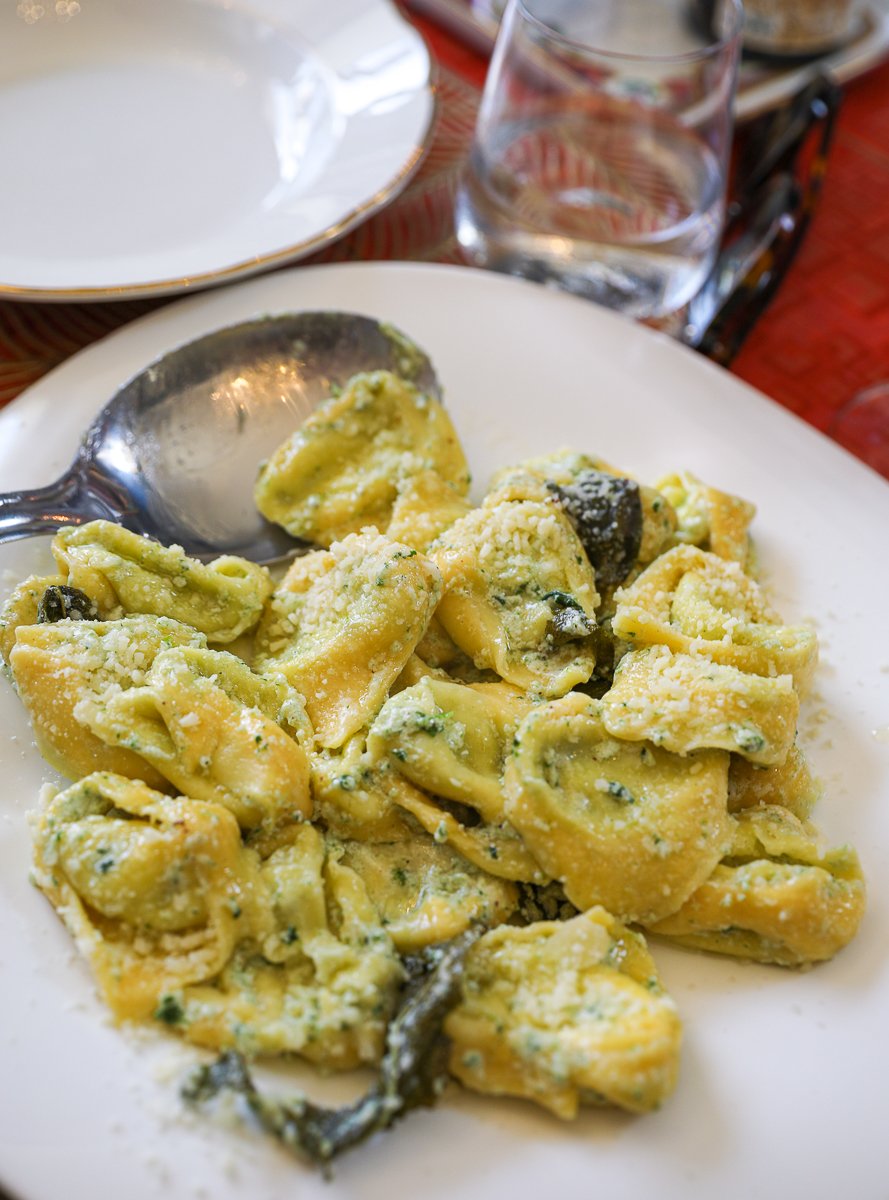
pixel 174 454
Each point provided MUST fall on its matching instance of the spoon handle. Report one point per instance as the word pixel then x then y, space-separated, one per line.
pixel 46 510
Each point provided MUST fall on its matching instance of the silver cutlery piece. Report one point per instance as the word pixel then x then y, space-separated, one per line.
pixel 175 453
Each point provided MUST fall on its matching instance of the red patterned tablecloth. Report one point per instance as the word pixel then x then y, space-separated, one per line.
pixel 826 336
pixel 824 339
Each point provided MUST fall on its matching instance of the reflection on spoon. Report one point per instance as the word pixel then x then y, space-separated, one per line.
pixel 175 453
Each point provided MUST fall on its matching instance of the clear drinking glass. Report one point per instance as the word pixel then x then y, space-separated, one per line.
pixel 600 155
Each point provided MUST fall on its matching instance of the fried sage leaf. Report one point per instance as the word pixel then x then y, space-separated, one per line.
pixel 606 511
pixel 569 623
pixel 413 1071
pixel 543 902
pixel 60 602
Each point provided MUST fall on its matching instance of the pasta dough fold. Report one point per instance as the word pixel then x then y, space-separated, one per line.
pixel 695 602
pixel 217 731
pixel 685 703
pixel 624 825
pixel 426 892
pixel 791 785
pixel 149 886
pixel 495 846
pixel 342 625
pixel 565 1013
pixel 520 595
pixel 451 739
pixel 352 797
pixel 62 670
pixel 344 468
pixel 709 518
pixel 777 897
pixel 426 505
pixel 124 572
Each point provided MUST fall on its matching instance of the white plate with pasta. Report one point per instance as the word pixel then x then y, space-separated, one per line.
pixel 778 1089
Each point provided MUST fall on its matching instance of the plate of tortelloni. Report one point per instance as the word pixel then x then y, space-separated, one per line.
pixel 540 793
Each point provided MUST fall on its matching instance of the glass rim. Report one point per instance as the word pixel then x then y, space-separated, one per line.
pixel 712 48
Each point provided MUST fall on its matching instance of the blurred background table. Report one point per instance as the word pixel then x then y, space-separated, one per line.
pixel 824 338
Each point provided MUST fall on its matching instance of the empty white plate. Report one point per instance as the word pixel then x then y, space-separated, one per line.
pixel 155 147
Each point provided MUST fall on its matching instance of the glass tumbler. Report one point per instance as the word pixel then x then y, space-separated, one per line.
pixel 600 154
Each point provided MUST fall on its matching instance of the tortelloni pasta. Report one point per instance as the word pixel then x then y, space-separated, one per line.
pixel 185 925
pixel 426 892
pixel 149 886
pixel 22 608
pixel 777 897
pixel 566 1013
pixel 345 467
pixel 520 595
pixel 126 573
pixel 451 739
pixel 695 602
pixel 790 784
pixel 709 518
pixel 216 730
pixel 314 971
pixel 622 824
pixel 684 703
pixel 342 625
pixel 448 741
pixel 64 669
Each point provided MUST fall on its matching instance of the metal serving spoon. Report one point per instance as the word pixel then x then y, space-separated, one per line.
pixel 175 453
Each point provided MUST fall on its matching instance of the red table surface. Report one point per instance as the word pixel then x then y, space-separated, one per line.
pixel 824 338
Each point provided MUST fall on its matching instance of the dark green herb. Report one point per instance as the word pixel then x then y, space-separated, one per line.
pixel 569 623
pixel 429 722
pixel 413 1071
pixel 606 511
pixel 169 1010
pixel 559 599
pixel 544 902
pixel 619 792
pixel 62 603
pixel 748 739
